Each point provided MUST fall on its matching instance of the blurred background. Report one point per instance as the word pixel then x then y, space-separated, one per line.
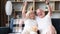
pixel 14 19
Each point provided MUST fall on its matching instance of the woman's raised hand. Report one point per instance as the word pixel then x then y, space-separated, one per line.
pixel 47 2
pixel 25 3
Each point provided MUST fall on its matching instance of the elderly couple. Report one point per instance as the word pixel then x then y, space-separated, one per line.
pixel 40 22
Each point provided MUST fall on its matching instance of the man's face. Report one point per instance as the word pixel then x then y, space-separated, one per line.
pixel 40 12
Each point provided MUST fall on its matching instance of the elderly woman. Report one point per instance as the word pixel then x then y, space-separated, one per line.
pixel 30 22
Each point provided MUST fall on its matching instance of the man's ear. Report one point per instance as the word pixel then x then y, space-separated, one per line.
pixel 46 12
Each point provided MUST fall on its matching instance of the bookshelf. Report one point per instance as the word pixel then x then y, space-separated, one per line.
pixel 18 5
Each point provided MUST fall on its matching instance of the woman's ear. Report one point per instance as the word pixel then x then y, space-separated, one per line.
pixel 35 13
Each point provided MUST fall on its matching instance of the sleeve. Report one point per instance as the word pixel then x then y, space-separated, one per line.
pixel 48 18
pixel 48 15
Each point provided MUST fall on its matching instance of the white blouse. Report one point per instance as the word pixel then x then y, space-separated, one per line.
pixel 29 23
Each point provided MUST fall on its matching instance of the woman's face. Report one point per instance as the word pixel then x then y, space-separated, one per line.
pixel 32 15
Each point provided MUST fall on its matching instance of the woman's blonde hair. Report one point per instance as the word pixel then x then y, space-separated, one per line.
pixel 29 11
pixel 28 14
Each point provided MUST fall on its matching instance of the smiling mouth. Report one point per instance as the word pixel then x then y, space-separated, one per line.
pixel 40 14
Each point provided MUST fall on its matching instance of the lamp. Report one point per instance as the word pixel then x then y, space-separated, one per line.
pixel 8 9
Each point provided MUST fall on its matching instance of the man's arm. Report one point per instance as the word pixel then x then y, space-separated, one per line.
pixel 50 10
pixel 49 7
pixel 52 30
pixel 24 10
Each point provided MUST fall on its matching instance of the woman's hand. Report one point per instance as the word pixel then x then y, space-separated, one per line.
pixel 34 28
pixel 25 3
pixel 24 9
pixel 47 2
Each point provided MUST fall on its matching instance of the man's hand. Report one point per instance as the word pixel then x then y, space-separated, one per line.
pixel 47 2
pixel 49 7
pixel 51 30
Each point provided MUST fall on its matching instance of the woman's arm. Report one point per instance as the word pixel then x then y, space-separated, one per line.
pixel 24 10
